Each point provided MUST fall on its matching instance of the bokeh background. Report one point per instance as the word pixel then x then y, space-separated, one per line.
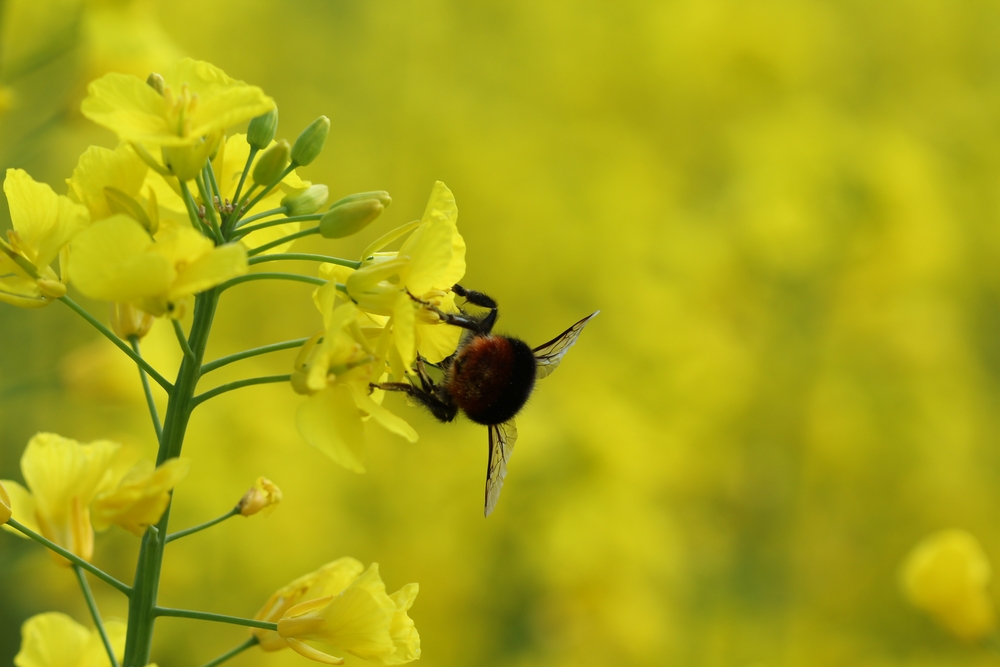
pixel 789 215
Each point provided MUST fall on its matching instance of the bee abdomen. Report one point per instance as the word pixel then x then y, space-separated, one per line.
pixel 492 378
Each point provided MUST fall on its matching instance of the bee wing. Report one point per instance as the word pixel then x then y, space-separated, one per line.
pixel 502 439
pixel 548 355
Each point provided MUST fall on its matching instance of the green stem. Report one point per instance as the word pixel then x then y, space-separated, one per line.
pixel 192 210
pixel 241 231
pixel 246 354
pixel 306 257
pixel 160 380
pixel 210 211
pixel 88 595
pixel 182 339
pixel 232 653
pixel 70 556
pixel 218 618
pixel 249 382
pixel 202 526
pixel 267 275
pixel 153 414
pixel 142 604
pixel 263 193
pixel 284 239
pixel 234 216
pixel 281 210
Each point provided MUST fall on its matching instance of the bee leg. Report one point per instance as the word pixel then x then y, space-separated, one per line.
pixel 483 301
pixel 443 410
pixel 425 380
pixel 462 320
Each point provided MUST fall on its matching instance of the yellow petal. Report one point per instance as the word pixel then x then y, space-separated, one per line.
pixel 404 633
pixel 222 100
pixel 404 333
pixel 95 654
pixel 329 421
pixel 23 507
pixel 99 168
pixel 435 342
pixel 44 221
pixel 17 287
pixel 140 498
pixel 307 651
pixel 128 107
pixel 53 640
pixel 381 415
pixel 436 248
pixel 214 267
pixel 5 507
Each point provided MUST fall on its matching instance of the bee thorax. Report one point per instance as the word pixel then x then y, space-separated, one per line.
pixel 491 378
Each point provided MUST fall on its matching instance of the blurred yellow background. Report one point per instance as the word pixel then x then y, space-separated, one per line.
pixel 788 213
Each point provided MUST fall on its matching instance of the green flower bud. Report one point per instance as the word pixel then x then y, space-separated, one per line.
pixel 260 132
pixel 306 202
pixel 309 144
pixel 120 202
pixel 352 214
pixel 271 164
pixel 156 82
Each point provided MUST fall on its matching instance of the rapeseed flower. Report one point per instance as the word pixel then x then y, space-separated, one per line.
pixel 263 495
pixel 345 606
pixel 74 488
pixel 947 575
pixel 56 640
pixel 102 173
pixel 43 224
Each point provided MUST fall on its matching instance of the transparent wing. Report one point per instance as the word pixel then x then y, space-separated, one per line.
pixel 548 355
pixel 502 439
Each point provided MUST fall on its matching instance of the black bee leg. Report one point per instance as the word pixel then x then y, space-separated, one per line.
pixel 483 301
pixel 455 319
pixel 441 409
pixel 425 380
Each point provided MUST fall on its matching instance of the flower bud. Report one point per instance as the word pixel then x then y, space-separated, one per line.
pixel 5 511
pixel 310 143
pixel 128 321
pixel 156 82
pixel 947 575
pixel 120 202
pixel 260 132
pixel 52 289
pixel 307 201
pixel 264 494
pixel 271 164
pixel 353 213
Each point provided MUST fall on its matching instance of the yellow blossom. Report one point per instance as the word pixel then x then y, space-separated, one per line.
pixel 68 481
pixel 116 260
pixel 263 495
pixel 128 321
pixel 947 575
pixel 344 606
pixel 56 640
pixel 198 100
pixel 44 223
pixel 99 169
pixel 4 505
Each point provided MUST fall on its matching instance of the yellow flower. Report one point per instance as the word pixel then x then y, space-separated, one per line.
pixel 56 640
pixel 263 495
pixel 343 605
pixel 44 223
pixel 68 480
pixel 947 575
pixel 116 260
pixel 198 100
pixel 128 321
pixel 335 369
pixel 4 505
pixel 100 168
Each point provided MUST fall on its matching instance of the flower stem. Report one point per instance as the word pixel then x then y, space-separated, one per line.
pixel 88 595
pixel 239 188
pixel 246 354
pixel 265 214
pixel 304 256
pixel 192 210
pixel 263 193
pixel 232 653
pixel 264 275
pixel 182 339
pixel 249 382
pixel 218 618
pixel 284 239
pixel 154 415
pixel 240 230
pixel 70 556
pixel 210 212
pixel 202 526
pixel 143 364
pixel 142 603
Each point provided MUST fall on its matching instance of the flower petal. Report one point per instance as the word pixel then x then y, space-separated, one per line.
pixel 22 505
pixel 53 640
pixel 209 270
pixel 140 499
pixel 128 107
pixel 44 221
pixel 329 421
pixel 99 168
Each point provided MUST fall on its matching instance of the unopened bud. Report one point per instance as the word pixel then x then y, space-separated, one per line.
pixel 52 289
pixel 5 510
pixel 156 82
pixel 128 321
pixel 186 162
pixel 264 494
pixel 306 202
pixel 310 143
pixel 260 132
pixel 353 213
pixel 271 164
pixel 120 202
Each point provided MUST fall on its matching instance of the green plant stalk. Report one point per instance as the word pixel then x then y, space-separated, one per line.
pixel 242 228
pixel 218 618
pixel 153 414
pixel 202 526
pixel 283 239
pixel 232 653
pixel 246 354
pixel 142 602
pixel 94 613
pixel 305 257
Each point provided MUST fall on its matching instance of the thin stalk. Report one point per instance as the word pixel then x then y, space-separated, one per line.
pixel 263 193
pixel 267 275
pixel 70 556
pixel 306 257
pixel 192 210
pixel 239 384
pixel 240 230
pixel 246 354
pixel 182 339
pixel 153 413
pixel 232 653
pixel 266 214
pixel 210 172
pixel 210 210
pixel 234 216
pixel 143 364
pixel 88 595
pixel 202 526
pixel 142 603
pixel 283 239
pixel 218 618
